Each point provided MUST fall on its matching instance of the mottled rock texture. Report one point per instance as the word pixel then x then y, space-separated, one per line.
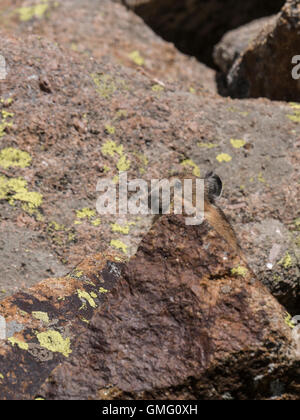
pixel 265 66
pixel 185 312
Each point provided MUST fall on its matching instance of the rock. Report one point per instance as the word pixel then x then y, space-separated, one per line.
pixel 169 330
pixel 110 31
pixel 253 74
pixel 67 139
pixel 197 26
pixel 38 326
pixel 234 42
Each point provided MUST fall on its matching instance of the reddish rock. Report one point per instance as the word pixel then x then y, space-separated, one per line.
pixel 252 145
pixel 186 320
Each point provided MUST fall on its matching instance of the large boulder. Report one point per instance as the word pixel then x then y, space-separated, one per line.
pixel 195 26
pixel 107 31
pixel 187 320
pixel 79 116
pixel 267 65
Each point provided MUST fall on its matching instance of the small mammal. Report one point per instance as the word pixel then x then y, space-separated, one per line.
pixel 212 212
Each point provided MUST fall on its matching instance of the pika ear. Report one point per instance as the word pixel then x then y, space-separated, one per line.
pixel 214 185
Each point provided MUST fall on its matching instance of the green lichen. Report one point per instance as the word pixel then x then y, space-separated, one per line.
pixel 136 57
pixel 239 271
pixel 12 189
pixel 21 344
pixel 53 341
pixel 119 245
pixel 286 262
pixel 192 90
pixel 237 143
pixel 102 290
pixel 190 163
pixel 10 157
pixel 223 157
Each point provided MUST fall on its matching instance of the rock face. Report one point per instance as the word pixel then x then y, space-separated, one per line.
pixel 265 68
pixel 38 327
pixel 184 311
pixel 196 26
pixel 67 121
pixel 234 42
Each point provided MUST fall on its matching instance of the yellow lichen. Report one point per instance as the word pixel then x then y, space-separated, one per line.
pixel 85 213
pixel 237 143
pixel 223 157
pixel 136 57
pixel 123 164
pixel 21 344
pixel 41 316
pixel 207 145
pixel 102 290
pixel 96 222
pixel 28 12
pixel 286 261
pixel 11 157
pixel 288 320
pixel 192 164
pixel 82 294
pixel 121 229
pixel 119 245
pixel 110 147
pixel 16 189
pixel 157 88
pixel 4 123
pixel 105 85
pixel 110 129
pixel 239 271
pixel 53 341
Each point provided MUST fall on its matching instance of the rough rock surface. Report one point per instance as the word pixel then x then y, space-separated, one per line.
pixel 184 312
pixel 195 26
pixel 80 119
pixel 38 326
pixel 108 31
pixel 234 42
pixel 265 67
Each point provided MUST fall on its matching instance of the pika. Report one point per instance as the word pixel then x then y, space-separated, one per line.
pixel 213 214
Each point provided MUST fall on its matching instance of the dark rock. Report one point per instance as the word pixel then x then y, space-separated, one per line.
pixel 169 331
pixel 38 327
pixel 196 26
pixel 234 42
pixel 265 66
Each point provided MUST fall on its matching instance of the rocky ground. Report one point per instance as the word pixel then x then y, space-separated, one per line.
pixel 89 93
